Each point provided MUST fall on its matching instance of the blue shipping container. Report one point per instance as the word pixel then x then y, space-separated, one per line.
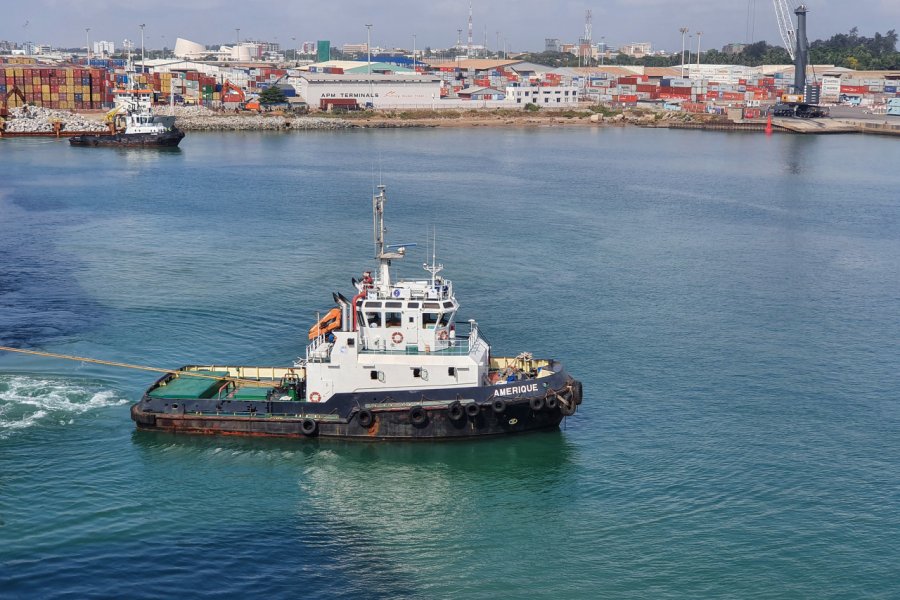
pixel 890 89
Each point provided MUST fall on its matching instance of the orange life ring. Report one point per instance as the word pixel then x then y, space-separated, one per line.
pixel 315 397
pixel 397 337
pixel 443 335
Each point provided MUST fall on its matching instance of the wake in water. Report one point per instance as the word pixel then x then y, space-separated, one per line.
pixel 28 401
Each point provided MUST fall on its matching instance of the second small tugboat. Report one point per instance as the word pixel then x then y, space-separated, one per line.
pixel 390 364
pixel 134 124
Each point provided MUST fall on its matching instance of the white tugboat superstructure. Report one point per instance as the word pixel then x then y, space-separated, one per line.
pixel 396 334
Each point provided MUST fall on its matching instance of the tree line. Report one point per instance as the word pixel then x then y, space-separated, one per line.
pixel 850 50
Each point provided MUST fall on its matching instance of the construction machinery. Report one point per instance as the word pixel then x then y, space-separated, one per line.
pixel 802 101
pixel 12 94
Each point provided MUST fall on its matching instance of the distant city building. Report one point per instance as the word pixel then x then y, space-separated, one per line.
pixel 733 48
pixel 42 49
pixel 308 48
pixel 551 45
pixel 6 46
pixel 189 50
pixel 637 49
pixel 103 48
pixel 354 48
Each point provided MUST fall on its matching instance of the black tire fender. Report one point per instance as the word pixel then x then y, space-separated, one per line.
pixel 418 416
pixel 455 411
pixel 309 427
pixel 365 418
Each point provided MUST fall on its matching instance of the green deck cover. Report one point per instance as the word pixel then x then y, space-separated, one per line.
pixel 190 387
pixel 251 393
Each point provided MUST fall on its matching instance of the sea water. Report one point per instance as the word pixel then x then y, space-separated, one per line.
pixel 730 302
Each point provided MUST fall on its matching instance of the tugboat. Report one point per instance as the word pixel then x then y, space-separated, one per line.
pixel 134 124
pixel 391 363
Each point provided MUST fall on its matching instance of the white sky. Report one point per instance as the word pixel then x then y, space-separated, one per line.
pixel 522 23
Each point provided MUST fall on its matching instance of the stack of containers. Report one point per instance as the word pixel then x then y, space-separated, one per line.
pixel 69 88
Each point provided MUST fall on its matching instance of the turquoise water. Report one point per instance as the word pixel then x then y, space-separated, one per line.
pixel 729 301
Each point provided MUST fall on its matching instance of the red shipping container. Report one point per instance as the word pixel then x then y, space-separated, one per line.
pixel 854 89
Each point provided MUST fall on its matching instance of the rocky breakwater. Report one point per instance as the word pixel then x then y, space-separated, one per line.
pixel 34 119
pixel 198 118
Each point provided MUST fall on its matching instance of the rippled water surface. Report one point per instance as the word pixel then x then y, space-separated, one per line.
pixel 729 301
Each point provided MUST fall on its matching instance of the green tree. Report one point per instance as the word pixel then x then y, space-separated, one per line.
pixel 272 95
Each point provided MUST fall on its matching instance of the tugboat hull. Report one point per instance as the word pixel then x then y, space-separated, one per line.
pixel 430 415
pixel 169 139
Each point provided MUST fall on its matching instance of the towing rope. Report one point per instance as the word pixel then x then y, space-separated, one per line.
pixel 110 363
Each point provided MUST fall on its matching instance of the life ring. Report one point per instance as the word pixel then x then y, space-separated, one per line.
pixel 365 418
pixel 455 411
pixel 443 335
pixel 309 426
pixel 315 397
pixel 473 410
pixel 397 337
pixel 417 416
pixel 499 406
pixel 536 403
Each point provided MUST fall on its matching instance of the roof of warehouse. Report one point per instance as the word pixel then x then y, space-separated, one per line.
pixel 476 90
pixel 364 77
pixel 479 64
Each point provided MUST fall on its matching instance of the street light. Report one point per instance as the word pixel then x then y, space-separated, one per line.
pixel 87 43
pixel 369 48
pixel 142 46
pixel 369 61
pixel 294 44
pixel 683 31
pixel 603 53
pixel 699 33
pixel 414 52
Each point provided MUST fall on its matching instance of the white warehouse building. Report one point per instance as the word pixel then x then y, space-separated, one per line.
pixel 382 91
pixel 548 96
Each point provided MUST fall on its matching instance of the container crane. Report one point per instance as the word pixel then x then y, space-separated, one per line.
pixel 786 25
pixel 796 104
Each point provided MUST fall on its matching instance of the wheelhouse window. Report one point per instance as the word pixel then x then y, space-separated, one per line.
pixel 445 319
pixel 393 319
pixel 429 320
pixel 373 319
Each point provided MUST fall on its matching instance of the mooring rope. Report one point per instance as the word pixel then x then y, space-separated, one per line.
pixel 110 363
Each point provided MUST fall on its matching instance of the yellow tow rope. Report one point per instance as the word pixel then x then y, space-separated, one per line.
pixel 110 363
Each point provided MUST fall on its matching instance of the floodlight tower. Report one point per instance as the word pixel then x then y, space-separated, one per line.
pixel 683 31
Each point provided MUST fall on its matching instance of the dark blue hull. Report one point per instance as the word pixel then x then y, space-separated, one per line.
pixel 436 414
pixel 169 139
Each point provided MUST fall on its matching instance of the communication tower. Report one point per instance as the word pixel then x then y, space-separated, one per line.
pixel 469 46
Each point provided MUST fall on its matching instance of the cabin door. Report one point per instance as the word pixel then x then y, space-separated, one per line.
pixel 411 329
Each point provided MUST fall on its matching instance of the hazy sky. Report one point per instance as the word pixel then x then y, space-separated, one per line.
pixel 523 23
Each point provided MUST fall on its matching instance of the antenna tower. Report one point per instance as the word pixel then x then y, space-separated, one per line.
pixel 588 35
pixel 469 47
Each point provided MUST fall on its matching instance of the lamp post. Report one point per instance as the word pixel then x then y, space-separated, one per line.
pixel 683 31
pixel 294 44
pixel 699 33
pixel 87 43
pixel 603 52
pixel 142 46
pixel 414 52
pixel 369 49
pixel 369 61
